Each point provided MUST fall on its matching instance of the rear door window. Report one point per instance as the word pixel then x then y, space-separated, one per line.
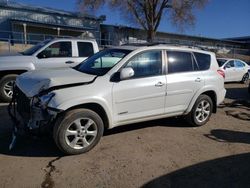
pixel 203 60
pixel 179 62
pixel 239 64
pixel 85 49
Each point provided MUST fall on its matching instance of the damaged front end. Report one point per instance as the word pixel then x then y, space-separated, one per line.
pixel 30 115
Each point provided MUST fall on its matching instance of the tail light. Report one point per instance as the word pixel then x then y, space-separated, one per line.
pixel 221 72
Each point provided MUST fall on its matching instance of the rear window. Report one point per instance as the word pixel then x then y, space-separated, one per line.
pixel 203 60
pixel 85 49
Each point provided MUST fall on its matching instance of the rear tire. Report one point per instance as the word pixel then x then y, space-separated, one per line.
pixel 201 111
pixel 78 131
pixel 6 87
pixel 245 78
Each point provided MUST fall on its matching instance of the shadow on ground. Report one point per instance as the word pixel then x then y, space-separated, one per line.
pixel 222 135
pixel 232 171
pixel 45 147
pixel 239 109
pixel 237 93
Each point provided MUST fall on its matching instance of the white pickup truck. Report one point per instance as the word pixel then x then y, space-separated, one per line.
pixel 53 53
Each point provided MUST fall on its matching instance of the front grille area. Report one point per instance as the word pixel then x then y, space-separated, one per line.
pixel 23 104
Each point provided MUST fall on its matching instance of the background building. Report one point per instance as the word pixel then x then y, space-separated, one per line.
pixel 29 24
pixel 22 25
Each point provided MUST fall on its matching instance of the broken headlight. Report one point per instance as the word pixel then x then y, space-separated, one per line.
pixel 45 99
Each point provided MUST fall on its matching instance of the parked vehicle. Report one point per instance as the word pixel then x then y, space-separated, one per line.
pixel 235 70
pixel 119 86
pixel 53 53
pixel 249 88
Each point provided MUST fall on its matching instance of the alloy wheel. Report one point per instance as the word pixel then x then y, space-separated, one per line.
pixel 8 88
pixel 202 111
pixel 81 133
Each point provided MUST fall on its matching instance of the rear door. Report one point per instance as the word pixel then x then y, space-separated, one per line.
pixel 83 51
pixel 184 79
pixel 240 69
pixel 144 94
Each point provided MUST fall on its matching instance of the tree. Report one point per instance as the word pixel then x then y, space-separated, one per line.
pixel 149 13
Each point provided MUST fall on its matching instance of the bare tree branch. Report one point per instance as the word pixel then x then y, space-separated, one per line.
pixel 149 13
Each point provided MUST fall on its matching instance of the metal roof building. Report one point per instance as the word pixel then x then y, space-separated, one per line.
pixel 17 17
pixel 123 34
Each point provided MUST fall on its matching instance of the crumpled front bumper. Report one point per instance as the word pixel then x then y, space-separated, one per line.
pixel 26 116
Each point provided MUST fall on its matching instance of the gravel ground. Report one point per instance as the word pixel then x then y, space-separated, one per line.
pixel 162 153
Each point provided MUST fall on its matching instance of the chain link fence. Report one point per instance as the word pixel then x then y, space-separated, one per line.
pixel 17 41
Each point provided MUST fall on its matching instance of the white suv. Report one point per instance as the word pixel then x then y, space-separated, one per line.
pixel 119 86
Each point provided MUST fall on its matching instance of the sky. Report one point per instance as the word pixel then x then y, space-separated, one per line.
pixel 219 19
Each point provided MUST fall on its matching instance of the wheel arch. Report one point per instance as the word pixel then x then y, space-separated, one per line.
pixel 97 108
pixel 213 96
pixel 211 92
pixel 7 72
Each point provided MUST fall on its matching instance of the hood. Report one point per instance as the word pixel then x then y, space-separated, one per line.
pixel 34 82
pixel 6 60
pixel 2 54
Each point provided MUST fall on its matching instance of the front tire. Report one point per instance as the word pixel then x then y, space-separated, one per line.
pixel 78 131
pixel 6 87
pixel 201 111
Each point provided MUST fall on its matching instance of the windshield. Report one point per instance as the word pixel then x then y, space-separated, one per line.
pixel 33 49
pixel 103 61
pixel 221 62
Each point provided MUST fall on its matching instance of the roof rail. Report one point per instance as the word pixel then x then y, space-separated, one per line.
pixel 165 43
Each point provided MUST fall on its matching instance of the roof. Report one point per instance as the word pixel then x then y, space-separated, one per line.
pixel 21 6
pixel 160 47
pixel 74 39
pixel 239 38
pixel 123 47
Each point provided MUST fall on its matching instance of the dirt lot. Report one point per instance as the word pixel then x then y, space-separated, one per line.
pixel 162 153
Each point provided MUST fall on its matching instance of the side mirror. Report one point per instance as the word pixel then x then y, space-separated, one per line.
pixel 126 73
pixel 227 67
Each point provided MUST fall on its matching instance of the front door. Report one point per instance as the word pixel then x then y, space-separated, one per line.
pixel 58 54
pixel 143 95
pixel 230 71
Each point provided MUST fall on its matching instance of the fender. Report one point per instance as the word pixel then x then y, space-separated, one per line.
pixel 26 67
pixel 198 93
pixel 80 101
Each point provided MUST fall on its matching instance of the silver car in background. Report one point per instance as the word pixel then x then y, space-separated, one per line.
pixel 235 70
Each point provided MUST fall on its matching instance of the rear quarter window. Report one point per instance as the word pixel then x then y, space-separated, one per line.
pixel 203 60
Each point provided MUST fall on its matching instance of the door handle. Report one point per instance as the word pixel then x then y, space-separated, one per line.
pixel 159 84
pixel 198 80
pixel 69 62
